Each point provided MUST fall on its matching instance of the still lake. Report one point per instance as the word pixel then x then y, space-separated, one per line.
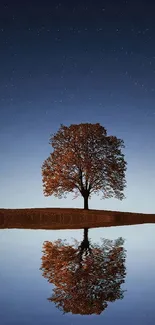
pixel 24 291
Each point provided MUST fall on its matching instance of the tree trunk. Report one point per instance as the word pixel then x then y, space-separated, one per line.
pixel 86 203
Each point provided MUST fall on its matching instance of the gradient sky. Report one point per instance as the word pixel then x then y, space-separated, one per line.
pixel 73 62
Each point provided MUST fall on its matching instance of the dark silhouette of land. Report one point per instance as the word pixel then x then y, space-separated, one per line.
pixel 58 218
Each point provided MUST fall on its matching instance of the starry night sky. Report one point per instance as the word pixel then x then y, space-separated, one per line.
pixel 72 62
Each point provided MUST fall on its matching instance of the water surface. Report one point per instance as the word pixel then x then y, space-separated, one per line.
pixel 24 291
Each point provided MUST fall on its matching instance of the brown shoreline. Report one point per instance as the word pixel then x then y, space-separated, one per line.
pixel 64 218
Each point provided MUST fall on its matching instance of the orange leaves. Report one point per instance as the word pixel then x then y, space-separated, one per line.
pixel 84 287
pixel 84 158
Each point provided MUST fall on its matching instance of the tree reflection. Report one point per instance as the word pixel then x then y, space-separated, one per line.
pixel 86 276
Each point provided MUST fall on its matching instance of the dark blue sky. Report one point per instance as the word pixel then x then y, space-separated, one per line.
pixel 72 62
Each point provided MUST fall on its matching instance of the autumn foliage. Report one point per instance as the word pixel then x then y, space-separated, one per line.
pixel 84 160
pixel 84 284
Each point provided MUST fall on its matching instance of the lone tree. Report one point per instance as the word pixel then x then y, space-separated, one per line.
pixel 84 160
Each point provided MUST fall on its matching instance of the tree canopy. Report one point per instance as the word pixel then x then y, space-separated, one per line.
pixel 85 280
pixel 84 160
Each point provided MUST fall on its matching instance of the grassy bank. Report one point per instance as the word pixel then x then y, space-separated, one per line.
pixel 58 218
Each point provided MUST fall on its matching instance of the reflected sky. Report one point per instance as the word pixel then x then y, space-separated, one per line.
pixel 24 292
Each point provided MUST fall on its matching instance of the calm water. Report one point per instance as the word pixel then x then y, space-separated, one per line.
pixel 24 291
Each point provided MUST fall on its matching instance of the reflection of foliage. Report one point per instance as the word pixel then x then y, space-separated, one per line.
pixel 84 283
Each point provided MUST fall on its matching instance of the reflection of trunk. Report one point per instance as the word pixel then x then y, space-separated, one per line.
pixel 84 247
pixel 86 202
pixel 86 236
